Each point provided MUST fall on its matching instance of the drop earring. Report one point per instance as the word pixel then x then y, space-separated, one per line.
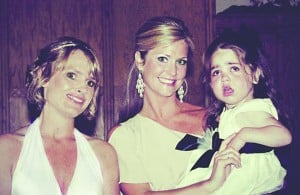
pixel 140 84
pixel 181 93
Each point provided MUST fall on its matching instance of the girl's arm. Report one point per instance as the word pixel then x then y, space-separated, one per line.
pixel 261 128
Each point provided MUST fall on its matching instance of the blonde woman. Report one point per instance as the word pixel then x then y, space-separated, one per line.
pixel 51 156
pixel 155 117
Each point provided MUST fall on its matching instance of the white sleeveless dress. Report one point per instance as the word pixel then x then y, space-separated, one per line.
pixel 33 174
pixel 260 173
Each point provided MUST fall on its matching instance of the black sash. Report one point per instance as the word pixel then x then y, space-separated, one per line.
pixel 190 142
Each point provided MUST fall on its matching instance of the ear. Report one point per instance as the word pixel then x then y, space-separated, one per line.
pixel 45 85
pixel 139 62
pixel 256 75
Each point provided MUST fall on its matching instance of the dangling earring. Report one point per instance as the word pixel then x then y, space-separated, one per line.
pixel 181 93
pixel 140 84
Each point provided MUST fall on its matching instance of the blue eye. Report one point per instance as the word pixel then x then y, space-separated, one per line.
pixel 71 75
pixel 162 59
pixel 182 62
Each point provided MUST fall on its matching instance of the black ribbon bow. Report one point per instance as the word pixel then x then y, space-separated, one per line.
pixel 190 142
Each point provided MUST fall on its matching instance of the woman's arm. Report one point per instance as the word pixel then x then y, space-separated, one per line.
pixel 9 152
pixel 223 161
pixel 5 172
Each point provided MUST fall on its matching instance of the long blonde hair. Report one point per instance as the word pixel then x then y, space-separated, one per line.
pixel 155 32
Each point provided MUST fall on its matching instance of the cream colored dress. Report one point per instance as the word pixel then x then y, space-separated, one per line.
pixel 33 174
pixel 146 153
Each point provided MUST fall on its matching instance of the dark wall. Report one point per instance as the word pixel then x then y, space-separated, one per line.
pixel 26 27
pixel 107 25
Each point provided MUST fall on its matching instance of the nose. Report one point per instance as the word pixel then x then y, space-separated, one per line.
pixel 81 89
pixel 224 77
pixel 172 69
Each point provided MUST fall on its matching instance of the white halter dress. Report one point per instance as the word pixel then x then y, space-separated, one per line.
pixel 33 174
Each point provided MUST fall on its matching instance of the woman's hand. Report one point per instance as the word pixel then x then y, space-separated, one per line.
pixel 223 162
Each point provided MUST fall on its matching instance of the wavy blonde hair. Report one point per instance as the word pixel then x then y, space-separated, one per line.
pixel 49 60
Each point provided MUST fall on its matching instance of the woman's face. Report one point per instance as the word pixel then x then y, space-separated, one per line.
pixel 164 69
pixel 71 88
pixel 231 81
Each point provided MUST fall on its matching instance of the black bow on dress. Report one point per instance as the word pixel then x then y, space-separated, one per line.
pixel 190 142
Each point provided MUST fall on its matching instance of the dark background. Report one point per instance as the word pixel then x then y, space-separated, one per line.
pixel 109 27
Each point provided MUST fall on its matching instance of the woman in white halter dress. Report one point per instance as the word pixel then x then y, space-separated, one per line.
pixel 51 156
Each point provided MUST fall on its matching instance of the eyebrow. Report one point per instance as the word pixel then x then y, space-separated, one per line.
pixel 213 67
pixel 232 63
pixel 229 63
pixel 168 55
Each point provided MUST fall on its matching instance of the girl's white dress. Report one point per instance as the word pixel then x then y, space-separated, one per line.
pixel 33 174
pixel 260 172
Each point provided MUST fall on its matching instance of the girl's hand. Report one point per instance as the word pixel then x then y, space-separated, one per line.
pixel 234 141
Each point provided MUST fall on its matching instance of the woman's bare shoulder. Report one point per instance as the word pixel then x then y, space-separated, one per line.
pixel 11 144
pixel 104 151
pixel 100 146
pixel 108 160
pixel 14 137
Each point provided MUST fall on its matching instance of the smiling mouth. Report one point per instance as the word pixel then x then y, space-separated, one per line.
pixel 75 99
pixel 227 91
pixel 167 81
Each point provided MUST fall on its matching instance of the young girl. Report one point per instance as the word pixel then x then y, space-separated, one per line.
pixel 243 106
pixel 51 156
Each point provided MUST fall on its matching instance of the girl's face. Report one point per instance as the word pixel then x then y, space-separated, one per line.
pixel 164 68
pixel 231 81
pixel 71 88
